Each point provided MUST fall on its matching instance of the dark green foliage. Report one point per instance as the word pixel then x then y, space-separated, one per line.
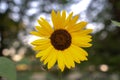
pixel 7 69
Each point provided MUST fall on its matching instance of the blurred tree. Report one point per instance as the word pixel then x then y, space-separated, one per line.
pixel 16 18
pixel 8 31
pixel 106 49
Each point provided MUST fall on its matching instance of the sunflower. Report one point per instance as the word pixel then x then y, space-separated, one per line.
pixel 61 43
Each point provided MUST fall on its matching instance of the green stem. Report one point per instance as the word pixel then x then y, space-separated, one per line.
pixel 60 75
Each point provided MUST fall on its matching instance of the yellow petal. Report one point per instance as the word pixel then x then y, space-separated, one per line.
pixel 42 47
pixel 82 41
pixel 82 52
pixel 45 25
pixel 49 57
pixel 82 32
pixel 68 19
pixel 53 59
pixel 63 18
pixel 40 42
pixel 68 59
pixel 58 21
pixel 87 31
pixel 85 38
pixel 54 18
pixel 38 28
pixel 44 53
pixel 40 34
pixel 63 15
pixel 72 22
pixel 73 55
pixel 76 56
pixel 42 31
pixel 36 33
pixel 77 27
pixel 79 52
pixel 60 60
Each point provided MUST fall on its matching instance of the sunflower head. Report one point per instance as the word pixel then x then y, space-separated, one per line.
pixel 61 43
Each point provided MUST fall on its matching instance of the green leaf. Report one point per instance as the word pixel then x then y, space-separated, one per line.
pixel 116 23
pixel 7 69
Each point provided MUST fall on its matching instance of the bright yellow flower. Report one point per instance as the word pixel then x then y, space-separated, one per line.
pixel 61 43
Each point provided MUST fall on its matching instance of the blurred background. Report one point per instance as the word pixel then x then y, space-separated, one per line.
pixel 19 17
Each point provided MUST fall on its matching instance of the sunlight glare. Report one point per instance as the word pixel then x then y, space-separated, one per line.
pixel 32 38
pixel 104 67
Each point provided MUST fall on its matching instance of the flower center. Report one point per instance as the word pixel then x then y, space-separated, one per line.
pixel 60 39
